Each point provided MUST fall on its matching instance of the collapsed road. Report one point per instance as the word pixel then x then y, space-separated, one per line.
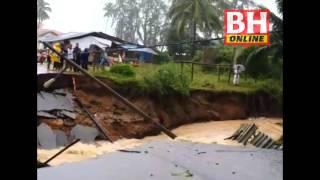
pixel 48 83
pixel 109 90
pixel 213 132
pixel 214 162
pixel 175 160
pixel 118 121
pixel 178 154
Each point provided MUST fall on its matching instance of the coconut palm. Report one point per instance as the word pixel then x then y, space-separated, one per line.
pixel 194 14
pixel 276 39
pixel 280 6
pixel 42 11
pixel 276 48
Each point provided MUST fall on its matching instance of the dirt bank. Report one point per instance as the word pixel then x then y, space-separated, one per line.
pixel 172 111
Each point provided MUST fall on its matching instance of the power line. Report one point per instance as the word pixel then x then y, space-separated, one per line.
pixel 177 43
pixel 171 44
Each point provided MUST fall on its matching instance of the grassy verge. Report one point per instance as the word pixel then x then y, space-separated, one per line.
pixel 206 80
pixel 165 80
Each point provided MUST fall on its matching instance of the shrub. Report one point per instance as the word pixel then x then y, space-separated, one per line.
pixel 258 67
pixel 123 69
pixel 225 55
pixel 273 88
pixel 168 80
pixel 198 57
pixel 161 58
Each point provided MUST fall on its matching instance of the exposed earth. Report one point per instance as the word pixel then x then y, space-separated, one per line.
pixel 205 117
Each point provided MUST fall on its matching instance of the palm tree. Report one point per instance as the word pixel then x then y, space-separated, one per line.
pixel 194 14
pixel 280 6
pixel 276 39
pixel 42 11
pixel 276 47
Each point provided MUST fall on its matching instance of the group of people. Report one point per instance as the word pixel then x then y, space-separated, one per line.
pixel 98 58
pixel 94 55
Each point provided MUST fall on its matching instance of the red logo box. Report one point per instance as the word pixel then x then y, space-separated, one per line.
pixel 246 27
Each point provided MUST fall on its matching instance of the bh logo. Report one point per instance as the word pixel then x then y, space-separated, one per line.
pixel 246 27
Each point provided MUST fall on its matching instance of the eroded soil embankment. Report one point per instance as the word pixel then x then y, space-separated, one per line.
pixel 172 111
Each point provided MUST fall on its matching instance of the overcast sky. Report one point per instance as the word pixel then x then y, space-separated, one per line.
pixel 88 15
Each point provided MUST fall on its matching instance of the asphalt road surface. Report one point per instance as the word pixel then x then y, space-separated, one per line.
pixel 175 160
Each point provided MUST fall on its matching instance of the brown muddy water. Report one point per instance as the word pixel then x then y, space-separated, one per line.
pixel 213 132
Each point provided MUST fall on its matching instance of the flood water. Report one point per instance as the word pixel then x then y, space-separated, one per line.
pixel 213 132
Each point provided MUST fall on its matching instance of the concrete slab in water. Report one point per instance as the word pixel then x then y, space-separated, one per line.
pixel 60 91
pixel 84 133
pixel 68 114
pixel 61 138
pixel 45 114
pixel 175 160
pixel 46 137
pixel 48 102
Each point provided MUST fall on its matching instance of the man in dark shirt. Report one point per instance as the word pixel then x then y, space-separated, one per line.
pixel 76 56
pixel 84 59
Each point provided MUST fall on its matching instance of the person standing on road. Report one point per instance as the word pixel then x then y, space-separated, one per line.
pixel 48 60
pixel 43 56
pixel 91 56
pixel 84 56
pixel 96 59
pixel 54 57
pixel 103 59
pixel 70 56
pixel 76 56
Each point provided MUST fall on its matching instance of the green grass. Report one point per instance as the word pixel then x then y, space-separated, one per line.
pixel 206 80
pixel 138 79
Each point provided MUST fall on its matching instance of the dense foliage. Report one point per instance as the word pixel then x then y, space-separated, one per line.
pixel 122 69
pixel 168 80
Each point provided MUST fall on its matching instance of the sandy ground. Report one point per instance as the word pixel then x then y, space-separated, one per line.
pixel 207 132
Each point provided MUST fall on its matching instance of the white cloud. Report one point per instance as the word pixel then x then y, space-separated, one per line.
pixel 78 16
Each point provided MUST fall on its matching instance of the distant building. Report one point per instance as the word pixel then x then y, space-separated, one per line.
pixel 102 40
pixel 45 33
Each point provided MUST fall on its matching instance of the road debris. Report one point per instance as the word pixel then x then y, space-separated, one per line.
pixel 247 133
pixel 55 104
pixel 46 115
pixel 184 174
pixel 128 151
pixel 201 152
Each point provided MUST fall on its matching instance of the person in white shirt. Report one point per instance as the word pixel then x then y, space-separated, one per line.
pixel 236 77
pixel 119 58
pixel 70 56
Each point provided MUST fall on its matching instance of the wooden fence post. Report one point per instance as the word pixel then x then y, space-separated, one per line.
pixel 230 70
pixel 218 72
pixel 191 71
pixel 181 68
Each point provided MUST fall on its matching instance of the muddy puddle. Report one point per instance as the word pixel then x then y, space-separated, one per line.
pixel 213 132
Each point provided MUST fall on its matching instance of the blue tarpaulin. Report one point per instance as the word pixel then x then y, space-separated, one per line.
pixel 144 53
pixel 144 56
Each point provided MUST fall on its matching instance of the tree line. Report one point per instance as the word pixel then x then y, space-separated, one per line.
pixel 152 22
